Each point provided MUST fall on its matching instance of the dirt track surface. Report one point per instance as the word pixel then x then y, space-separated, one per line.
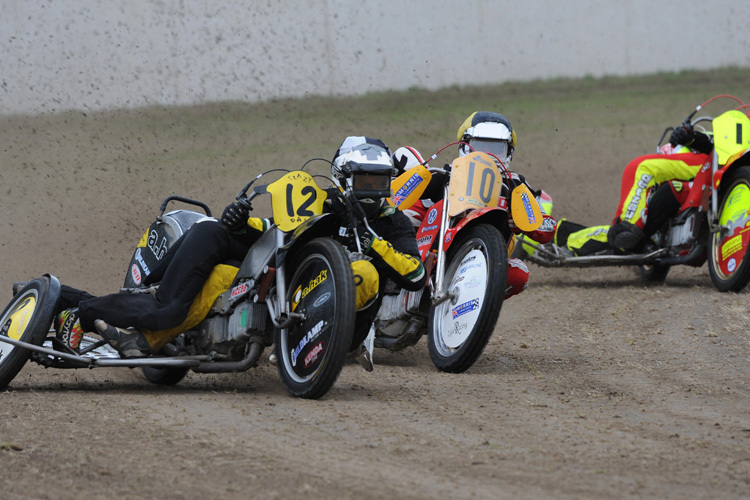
pixel 592 386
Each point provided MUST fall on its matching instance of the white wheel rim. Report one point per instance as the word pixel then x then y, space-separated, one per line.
pixel 458 316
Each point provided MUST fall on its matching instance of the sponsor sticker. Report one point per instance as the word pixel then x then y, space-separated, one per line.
pixel 141 262
pixel 731 246
pixel 314 354
pixel 136 274
pixel 470 266
pixel 306 339
pixel 322 299
pixel 407 189
pixel 156 244
pixel 640 191
pixel 474 282
pixel 456 330
pixel 731 265
pixel 465 308
pixel 424 240
pixel 314 283
pixel 432 216
pixel 527 206
pixel 239 290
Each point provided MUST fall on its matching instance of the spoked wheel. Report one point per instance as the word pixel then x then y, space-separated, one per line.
pixel 27 318
pixel 728 257
pixel 312 351
pixel 459 328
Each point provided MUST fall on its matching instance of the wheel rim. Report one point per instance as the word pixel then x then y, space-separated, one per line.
pixel 455 318
pixel 303 347
pixel 728 248
pixel 17 319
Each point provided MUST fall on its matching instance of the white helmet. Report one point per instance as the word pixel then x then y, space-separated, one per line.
pixel 487 132
pixel 363 166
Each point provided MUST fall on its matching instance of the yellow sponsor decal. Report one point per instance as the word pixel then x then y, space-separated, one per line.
pixel 296 297
pixel 731 246
pixel 314 283
pixel 19 320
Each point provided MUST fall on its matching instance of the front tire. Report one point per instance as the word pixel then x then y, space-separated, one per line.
pixel 728 259
pixel 312 351
pixel 27 318
pixel 459 328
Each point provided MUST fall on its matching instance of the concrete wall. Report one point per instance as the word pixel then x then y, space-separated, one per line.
pixel 100 54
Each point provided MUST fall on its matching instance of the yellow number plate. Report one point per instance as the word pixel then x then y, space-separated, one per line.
pixel 295 198
pixel 731 134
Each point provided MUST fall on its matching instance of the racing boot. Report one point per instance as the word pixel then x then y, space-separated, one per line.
pixel 130 343
pixel 68 329
pixel 625 236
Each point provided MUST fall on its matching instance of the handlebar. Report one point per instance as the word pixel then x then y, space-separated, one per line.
pixel 691 122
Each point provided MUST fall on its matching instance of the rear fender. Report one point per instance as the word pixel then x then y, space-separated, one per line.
pixel 738 159
pixel 320 225
pixel 155 242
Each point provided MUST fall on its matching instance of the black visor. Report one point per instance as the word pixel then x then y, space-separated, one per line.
pixel 368 185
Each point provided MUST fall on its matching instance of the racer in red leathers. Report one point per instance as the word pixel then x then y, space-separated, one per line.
pixel 653 189
pixel 491 133
pixel 644 173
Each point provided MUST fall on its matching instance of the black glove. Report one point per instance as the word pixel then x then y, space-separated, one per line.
pixel 338 207
pixel 365 238
pixel 683 135
pixel 235 216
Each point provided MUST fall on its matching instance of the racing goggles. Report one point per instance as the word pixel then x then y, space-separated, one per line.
pixel 496 147
pixel 370 185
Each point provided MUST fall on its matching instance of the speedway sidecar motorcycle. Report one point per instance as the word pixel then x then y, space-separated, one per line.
pixel 294 290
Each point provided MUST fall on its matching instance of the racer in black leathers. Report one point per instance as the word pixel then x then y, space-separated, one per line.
pixel 140 324
pixel 391 246
pixel 181 275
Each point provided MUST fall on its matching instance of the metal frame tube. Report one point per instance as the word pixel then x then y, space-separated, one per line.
pixel 440 269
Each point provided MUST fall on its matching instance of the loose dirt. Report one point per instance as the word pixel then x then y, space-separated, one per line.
pixel 594 385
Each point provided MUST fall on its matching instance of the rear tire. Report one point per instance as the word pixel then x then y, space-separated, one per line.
pixel 27 318
pixel 311 352
pixel 654 273
pixel 728 256
pixel 164 376
pixel 459 328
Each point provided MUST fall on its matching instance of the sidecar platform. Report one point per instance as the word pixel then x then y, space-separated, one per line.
pixel 550 255
pixel 98 353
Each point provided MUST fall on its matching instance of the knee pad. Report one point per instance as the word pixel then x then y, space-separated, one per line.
pixel 367 282
pixel 518 277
